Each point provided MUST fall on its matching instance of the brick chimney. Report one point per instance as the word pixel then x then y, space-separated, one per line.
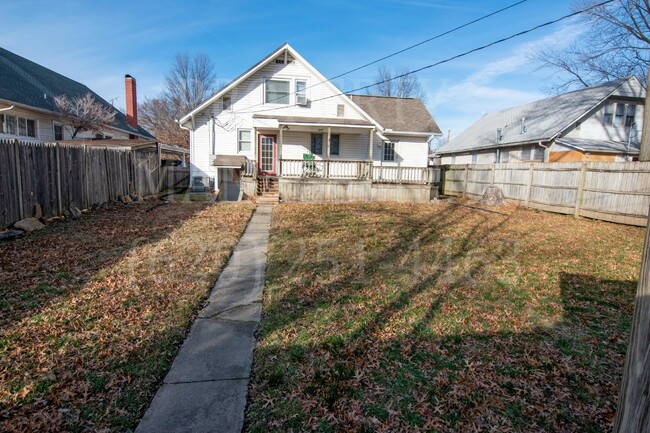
pixel 131 101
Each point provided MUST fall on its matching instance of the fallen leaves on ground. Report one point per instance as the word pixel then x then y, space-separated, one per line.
pixel 442 318
pixel 93 311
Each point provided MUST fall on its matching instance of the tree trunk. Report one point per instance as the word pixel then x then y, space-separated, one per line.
pixel 634 399
pixel 644 153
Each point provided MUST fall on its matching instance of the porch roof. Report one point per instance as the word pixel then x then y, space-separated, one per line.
pixel 321 121
pixel 229 161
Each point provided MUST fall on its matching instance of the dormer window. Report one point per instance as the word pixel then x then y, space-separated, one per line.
pixel 629 115
pixel 279 61
pixel 340 110
pixel 227 103
pixel 277 92
pixel 609 114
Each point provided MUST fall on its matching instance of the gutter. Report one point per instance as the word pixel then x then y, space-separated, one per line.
pixel 7 109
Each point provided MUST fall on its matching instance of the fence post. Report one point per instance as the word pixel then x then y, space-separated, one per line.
pixel 465 181
pixel 58 178
pixel 581 189
pixel 85 179
pixel 19 180
pixel 530 184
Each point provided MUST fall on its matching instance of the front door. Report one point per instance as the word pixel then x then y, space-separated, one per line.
pixel 267 153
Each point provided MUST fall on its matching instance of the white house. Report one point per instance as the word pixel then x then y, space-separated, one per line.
pixel 598 123
pixel 283 122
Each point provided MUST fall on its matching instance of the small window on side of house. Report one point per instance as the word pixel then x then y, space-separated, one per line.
pixel 335 142
pixel 525 153
pixel 227 103
pixel 539 153
pixel 58 132
pixel 609 114
pixel 340 110
pixel 620 113
pixel 630 115
pixel 244 140
pixel 578 125
pixel 389 151
pixel 504 155
pixel 474 157
pixel 31 128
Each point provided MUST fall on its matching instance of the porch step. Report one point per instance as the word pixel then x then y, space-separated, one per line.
pixel 268 199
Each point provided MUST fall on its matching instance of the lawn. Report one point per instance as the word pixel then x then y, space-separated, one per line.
pixel 93 311
pixel 442 318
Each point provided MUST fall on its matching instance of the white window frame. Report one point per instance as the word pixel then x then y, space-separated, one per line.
pixel 304 92
pixel 17 132
pixel 286 80
pixel 240 141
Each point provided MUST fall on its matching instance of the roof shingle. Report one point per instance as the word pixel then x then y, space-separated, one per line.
pixel 398 114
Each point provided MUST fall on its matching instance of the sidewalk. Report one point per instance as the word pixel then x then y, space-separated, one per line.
pixel 205 389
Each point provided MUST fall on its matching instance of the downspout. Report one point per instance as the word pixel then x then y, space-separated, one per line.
pixel 545 150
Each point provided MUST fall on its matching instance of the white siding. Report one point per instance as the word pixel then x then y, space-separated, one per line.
pixel 593 127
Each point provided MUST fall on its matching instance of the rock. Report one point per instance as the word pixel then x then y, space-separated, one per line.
pixel 128 199
pixel 67 215
pixel 139 198
pixel 493 196
pixel 74 211
pixel 38 211
pixel 29 225
pixel 8 235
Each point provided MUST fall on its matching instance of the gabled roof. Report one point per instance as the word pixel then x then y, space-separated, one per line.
pixel 27 83
pixel 544 119
pixel 398 114
pixel 262 63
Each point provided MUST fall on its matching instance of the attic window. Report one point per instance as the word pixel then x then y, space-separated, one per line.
pixel 340 110
pixel 279 61
pixel 499 135
pixel 227 103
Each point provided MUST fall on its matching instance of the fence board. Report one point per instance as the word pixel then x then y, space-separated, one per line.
pixel 610 191
pixel 55 176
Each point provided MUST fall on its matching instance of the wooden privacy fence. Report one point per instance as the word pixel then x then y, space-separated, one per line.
pixel 55 176
pixel 174 177
pixel 609 191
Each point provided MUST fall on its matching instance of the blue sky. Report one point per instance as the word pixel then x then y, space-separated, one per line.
pixel 98 42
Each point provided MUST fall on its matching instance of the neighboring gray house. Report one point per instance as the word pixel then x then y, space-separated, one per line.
pixel 599 123
pixel 27 110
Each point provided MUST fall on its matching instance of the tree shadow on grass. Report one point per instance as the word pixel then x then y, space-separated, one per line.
pixel 459 348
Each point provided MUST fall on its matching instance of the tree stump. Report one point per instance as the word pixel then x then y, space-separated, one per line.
pixel 493 196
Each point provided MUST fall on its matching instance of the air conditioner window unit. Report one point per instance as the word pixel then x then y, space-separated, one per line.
pixel 301 99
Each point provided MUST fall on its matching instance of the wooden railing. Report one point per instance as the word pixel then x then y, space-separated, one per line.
pixel 358 170
pixel 249 168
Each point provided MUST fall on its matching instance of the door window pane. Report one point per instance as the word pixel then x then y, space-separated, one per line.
pixel 267 154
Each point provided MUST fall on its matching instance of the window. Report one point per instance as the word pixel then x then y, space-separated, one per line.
pixel 474 157
pixel 58 132
pixel 277 92
pixel 609 111
pixel 317 144
pixel 244 140
pixel 335 141
pixel 504 155
pixel 539 153
pixel 389 151
pixel 227 103
pixel 629 115
pixel 20 126
pixel 340 110
pixel 620 113
pixel 525 153
pixel 301 92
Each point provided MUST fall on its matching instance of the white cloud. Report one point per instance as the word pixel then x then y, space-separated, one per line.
pixel 458 104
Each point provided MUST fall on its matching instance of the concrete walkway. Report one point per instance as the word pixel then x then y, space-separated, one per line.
pixel 205 389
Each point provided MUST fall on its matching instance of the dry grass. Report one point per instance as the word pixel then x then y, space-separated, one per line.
pixel 440 318
pixel 92 311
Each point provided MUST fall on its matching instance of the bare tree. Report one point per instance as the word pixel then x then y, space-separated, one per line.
pixel 159 116
pixel 398 83
pixel 84 113
pixel 189 82
pixel 616 45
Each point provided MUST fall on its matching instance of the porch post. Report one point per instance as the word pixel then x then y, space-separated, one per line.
pixel 279 170
pixel 372 134
pixel 327 152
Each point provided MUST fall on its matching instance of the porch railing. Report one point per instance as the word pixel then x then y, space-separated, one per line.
pixel 358 170
pixel 249 168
